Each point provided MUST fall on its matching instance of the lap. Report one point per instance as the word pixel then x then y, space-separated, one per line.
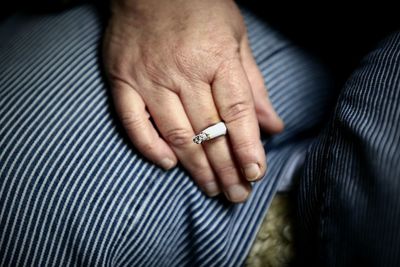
pixel 72 188
pixel 349 196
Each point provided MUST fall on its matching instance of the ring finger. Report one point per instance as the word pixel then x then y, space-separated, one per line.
pixel 170 118
pixel 200 108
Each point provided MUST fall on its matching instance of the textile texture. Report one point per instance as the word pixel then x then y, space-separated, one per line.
pixel 349 201
pixel 73 190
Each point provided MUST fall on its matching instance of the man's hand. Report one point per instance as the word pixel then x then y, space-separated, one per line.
pixel 187 64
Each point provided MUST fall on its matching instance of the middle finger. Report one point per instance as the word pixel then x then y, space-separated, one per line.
pixel 200 108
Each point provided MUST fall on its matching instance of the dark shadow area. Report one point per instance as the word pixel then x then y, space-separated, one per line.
pixel 338 33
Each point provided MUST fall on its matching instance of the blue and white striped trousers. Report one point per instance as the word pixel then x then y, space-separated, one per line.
pixel 74 192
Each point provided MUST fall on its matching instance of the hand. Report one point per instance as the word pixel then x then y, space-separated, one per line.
pixel 187 64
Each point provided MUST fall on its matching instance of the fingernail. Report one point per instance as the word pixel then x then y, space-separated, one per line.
pixel 211 189
pixel 167 163
pixel 252 171
pixel 237 193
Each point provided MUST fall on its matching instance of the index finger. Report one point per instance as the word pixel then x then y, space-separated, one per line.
pixel 234 100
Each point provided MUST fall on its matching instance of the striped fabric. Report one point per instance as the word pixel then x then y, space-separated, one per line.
pixel 74 192
pixel 350 190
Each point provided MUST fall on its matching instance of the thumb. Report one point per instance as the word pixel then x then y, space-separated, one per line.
pixel 267 117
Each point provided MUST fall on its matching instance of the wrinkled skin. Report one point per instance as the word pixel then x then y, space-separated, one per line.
pixel 187 64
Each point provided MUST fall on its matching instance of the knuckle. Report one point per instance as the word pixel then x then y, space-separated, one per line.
pixel 132 123
pixel 237 111
pixel 130 120
pixel 179 137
